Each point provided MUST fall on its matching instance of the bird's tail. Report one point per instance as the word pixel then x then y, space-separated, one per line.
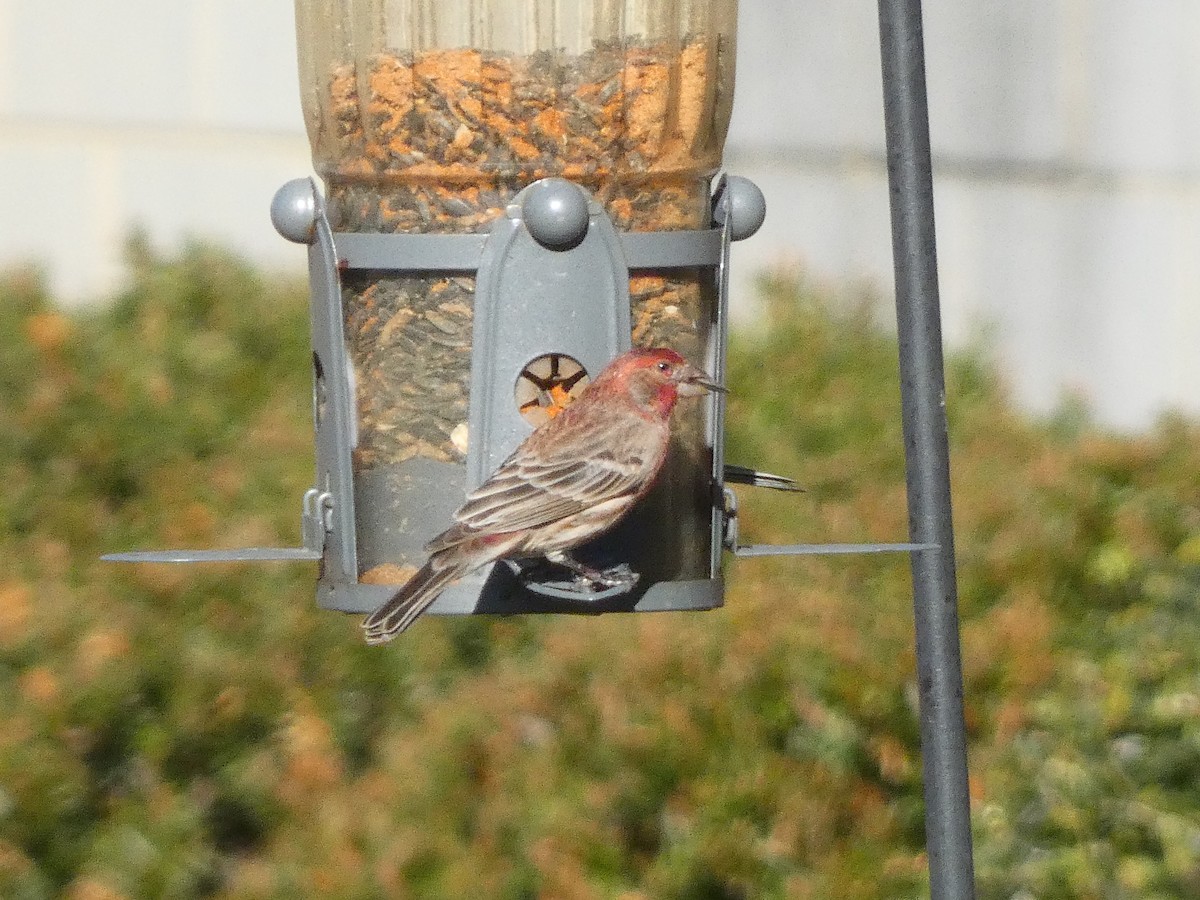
pixel 410 601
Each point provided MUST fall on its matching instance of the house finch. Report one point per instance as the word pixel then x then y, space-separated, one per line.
pixel 572 479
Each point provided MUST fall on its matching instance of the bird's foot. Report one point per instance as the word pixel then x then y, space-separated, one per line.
pixel 588 581
pixel 616 577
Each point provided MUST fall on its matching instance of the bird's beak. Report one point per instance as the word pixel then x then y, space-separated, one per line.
pixel 693 382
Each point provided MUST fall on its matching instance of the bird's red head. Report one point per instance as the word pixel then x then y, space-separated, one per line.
pixel 654 379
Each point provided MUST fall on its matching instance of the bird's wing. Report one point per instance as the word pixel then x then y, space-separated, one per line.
pixel 560 470
pixel 527 492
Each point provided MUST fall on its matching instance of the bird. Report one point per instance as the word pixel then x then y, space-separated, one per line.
pixel 572 479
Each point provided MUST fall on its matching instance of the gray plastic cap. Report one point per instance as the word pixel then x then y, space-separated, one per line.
pixel 747 207
pixel 294 210
pixel 556 213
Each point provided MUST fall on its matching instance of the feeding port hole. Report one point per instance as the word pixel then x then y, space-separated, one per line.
pixel 547 386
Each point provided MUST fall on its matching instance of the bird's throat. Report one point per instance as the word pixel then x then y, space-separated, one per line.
pixel 662 400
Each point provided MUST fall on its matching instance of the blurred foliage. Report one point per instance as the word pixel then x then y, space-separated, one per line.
pixel 206 731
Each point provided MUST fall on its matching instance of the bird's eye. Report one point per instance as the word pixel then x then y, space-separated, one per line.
pixel 664 367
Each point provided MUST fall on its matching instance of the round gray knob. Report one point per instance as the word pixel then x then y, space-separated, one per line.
pixel 555 212
pixel 746 204
pixel 294 210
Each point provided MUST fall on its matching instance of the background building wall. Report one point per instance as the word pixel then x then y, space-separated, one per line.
pixel 1066 137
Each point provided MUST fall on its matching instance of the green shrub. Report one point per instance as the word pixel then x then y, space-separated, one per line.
pixel 207 731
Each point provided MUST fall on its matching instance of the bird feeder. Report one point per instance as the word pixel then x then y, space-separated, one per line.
pixel 514 195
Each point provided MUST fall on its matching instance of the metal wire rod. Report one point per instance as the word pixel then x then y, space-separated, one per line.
pixel 922 383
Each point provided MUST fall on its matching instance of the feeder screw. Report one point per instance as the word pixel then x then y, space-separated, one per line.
pixel 555 213
pixel 294 210
pixel 747 206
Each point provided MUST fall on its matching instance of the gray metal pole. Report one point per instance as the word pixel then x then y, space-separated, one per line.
pixel 922 384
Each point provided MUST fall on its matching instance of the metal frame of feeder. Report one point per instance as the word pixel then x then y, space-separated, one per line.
pixel 509 262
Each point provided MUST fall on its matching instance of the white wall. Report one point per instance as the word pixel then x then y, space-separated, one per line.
pixel 181 118
pixel 1066 137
